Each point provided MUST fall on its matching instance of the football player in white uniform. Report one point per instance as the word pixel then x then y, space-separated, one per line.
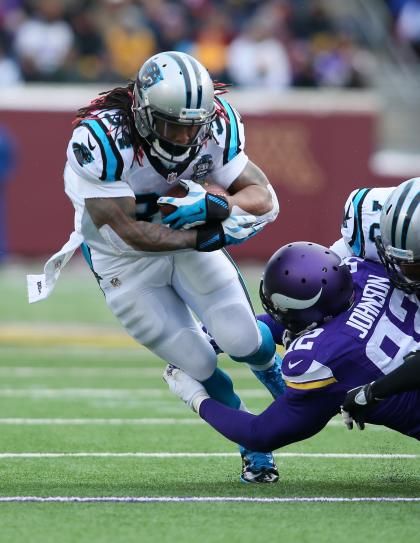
pixel 128 148
pixel 360 226
pixel 397 241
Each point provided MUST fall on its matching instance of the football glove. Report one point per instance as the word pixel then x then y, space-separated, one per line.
pixel 198 207
pixel 356 403
pixel 190 391
pixel 232 231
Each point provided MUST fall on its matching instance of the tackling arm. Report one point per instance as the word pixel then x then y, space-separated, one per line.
pixel 287 420
pixel 294 416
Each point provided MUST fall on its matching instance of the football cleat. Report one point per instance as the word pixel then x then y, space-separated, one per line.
pixel 258 467
pixel 272 378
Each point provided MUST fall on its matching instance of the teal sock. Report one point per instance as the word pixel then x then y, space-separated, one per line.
pixel 220 387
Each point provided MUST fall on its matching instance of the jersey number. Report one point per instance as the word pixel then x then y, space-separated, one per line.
pixel 388 341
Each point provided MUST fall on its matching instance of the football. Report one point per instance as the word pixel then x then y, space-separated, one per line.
pixel 178 191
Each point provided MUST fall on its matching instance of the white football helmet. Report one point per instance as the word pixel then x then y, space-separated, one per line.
pixel 399 243
pixel 173 90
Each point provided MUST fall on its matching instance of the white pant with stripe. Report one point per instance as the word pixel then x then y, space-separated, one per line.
pixel 154 298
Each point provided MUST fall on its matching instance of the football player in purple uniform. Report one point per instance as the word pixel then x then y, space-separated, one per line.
pixel 347 325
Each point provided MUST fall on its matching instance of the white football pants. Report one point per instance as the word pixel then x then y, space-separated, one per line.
pixel 154 296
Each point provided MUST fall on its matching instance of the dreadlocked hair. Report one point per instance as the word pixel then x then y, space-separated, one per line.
pixel 121 99
pixel 221 88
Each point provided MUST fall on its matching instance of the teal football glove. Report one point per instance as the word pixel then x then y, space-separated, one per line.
pixel 196 208
pixel 232 231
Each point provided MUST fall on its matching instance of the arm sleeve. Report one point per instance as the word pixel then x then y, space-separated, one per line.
pixel 288 419
pixel 403 379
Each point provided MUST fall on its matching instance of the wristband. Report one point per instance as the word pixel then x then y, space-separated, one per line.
pixel 210 238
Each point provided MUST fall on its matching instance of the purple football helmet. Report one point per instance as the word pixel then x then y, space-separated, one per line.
pixel 305 283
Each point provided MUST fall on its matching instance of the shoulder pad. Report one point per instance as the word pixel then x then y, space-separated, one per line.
pixel 305 373
pixel 99 149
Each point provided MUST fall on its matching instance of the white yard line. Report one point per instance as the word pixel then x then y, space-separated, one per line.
pixel 203 499
pixel 200 455
pixel 141 372
pixel 100 422
pixel 123 393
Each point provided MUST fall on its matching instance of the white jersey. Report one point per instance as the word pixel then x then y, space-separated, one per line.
pixel 101 164
pixel 362 212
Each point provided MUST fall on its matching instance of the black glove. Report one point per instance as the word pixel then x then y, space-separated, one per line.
pixel 356 403
pixel 232 231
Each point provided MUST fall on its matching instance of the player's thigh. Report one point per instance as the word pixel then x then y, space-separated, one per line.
pixel 210 284
pixel 155 316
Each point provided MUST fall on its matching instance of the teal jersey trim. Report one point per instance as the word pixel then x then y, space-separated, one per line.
pixel 112 161
pixel 86 254
pixel 234 135
pixel 358 243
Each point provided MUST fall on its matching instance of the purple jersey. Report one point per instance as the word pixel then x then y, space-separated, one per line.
pixel 368 340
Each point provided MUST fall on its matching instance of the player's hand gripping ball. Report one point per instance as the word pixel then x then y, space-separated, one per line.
pixel 191 204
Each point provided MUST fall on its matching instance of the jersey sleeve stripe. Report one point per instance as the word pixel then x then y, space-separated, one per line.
pixel 357 242
pixel 102 149
pixel 113 163
pixel 232 142
pixel 311 385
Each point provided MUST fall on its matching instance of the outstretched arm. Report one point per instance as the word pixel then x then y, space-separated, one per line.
pixel 290 418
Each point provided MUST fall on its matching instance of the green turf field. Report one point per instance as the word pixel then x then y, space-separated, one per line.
pixel 84 413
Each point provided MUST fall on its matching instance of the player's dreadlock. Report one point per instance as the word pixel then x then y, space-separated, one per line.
pixel 120 99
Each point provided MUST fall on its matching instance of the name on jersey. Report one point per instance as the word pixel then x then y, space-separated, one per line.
pixel 368 308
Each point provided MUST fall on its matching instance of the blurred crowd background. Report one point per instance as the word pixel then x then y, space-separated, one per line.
pixel 275 44
pixel 329 90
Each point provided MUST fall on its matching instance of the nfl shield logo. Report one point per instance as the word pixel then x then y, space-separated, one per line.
pixel 172 177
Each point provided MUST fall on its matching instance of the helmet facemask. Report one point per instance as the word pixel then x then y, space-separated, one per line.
pixel 403 274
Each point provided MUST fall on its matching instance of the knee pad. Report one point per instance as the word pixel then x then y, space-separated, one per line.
pixel 234 328
pixel 265 351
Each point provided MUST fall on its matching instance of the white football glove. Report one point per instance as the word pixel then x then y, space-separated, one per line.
pixel 185 387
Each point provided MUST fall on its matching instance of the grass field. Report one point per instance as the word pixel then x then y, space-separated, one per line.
pixel 85 415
